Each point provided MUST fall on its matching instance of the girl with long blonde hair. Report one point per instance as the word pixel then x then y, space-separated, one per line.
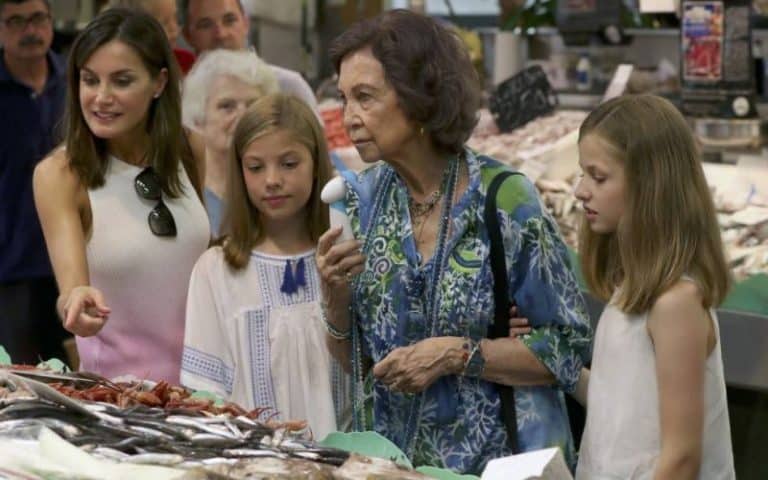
pixel 650 247
pixel 254 332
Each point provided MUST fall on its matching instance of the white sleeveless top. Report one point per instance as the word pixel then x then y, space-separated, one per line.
pixel 622 437
pixel 143 277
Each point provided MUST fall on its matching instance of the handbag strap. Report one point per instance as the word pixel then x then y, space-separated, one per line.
pixel 500 327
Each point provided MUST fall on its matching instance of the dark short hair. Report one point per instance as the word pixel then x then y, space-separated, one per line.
pixel 3 3
pixel 183 10
pixel 429 68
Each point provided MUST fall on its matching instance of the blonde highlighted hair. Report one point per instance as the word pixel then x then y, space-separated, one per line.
pixel 669 227
pixel 269 114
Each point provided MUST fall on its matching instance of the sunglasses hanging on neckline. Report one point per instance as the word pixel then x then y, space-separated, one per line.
pixel 160 219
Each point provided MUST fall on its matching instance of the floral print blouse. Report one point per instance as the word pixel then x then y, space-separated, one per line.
pixel 456 423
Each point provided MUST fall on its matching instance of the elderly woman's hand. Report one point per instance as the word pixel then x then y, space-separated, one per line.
pixel 414 368
pixel 337 264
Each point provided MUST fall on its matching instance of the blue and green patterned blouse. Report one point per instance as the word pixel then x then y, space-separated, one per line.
pixel 456 423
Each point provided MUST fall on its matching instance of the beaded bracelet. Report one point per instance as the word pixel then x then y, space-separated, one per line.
pixel 334 332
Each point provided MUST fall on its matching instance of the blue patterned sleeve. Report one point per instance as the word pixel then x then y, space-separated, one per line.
pixel 359 197
pixel 542 283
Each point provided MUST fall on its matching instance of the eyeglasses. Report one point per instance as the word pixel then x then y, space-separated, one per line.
pixel 19 23
pixel 147 185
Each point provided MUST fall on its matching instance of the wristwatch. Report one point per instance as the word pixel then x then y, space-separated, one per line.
pixel 475 364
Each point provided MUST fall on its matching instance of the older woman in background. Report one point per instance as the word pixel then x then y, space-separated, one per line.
pixel 222 84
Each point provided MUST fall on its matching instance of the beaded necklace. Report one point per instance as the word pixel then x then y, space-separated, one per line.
pixel 421 209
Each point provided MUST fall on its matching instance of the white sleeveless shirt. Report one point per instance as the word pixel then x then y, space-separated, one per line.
pixel 622 437
pixel 144 277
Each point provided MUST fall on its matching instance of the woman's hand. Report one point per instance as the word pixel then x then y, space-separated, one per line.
pixel 337 264
pixel 84 311
pixel 414 368
pixel 517 325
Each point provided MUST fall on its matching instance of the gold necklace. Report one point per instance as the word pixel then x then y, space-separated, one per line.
pixel 420 223
pixel 422 209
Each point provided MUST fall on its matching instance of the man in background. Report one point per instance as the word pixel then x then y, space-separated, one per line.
pixel 210 24
pixel 32 92
pixel 165 12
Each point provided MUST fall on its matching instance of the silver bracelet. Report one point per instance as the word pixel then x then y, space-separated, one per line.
pixel 334 332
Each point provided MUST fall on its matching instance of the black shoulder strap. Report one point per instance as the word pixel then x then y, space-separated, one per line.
pixel 500 327
pixel 498 260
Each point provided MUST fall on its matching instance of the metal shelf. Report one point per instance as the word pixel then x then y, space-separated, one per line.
pixel 653 32
pixel 634 32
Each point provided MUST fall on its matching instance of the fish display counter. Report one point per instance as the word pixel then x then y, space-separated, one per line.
pixel 78 425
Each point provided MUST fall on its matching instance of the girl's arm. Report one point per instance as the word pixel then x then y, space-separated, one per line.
pixel 682 334
pixel 60 198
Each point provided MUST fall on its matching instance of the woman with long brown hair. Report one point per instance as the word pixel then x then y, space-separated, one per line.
pixel 119 206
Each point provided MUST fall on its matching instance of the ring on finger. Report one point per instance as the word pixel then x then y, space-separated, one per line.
pixel 348 276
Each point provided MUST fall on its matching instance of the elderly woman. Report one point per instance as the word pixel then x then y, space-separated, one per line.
pixel 216 93
pixel 414 297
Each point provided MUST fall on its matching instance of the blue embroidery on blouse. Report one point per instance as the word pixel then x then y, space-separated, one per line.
pixel 208 366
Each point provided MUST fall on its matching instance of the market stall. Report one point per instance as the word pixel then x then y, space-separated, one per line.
pixel 79 425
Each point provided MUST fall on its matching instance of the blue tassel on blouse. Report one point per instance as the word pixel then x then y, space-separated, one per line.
pixel 291 281
pixel 301 277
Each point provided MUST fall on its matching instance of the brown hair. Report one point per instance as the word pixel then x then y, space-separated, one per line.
pixel 267 115
pixel 428 67
pixel 669 228
pixel 87 153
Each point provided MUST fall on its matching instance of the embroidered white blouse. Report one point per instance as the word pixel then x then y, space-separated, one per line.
pixel 252 344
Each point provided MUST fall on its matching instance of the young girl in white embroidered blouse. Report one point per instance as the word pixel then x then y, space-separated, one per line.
pixel 254 331
pixel 650 247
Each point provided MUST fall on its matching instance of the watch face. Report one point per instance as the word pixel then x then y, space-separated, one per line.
pixel 475 364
